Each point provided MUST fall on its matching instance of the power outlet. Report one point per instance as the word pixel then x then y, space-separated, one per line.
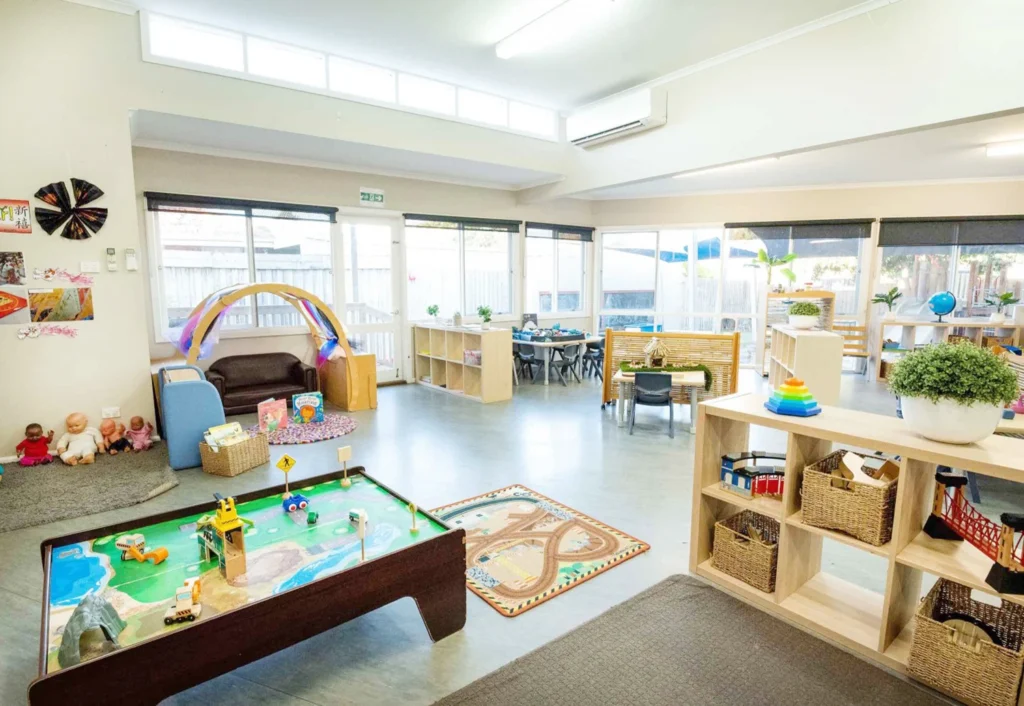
pixel 111 412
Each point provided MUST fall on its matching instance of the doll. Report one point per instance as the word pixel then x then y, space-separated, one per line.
pixel 80 442
pixel 34 450
pixel 139 434
pixel 114 436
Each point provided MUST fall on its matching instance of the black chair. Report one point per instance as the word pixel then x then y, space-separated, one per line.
pixel 593 360
pixel 653 390
pixel 569 361
pixel 526 358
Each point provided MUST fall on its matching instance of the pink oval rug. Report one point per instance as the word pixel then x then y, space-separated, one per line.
pixel 333 426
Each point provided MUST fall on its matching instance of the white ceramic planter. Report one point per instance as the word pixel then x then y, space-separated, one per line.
pixel 485 326
pixel 803 321
pixel 997 318
pixel 950 422
pixel 889 316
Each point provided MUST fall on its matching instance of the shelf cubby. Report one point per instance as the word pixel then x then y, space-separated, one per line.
pixel 875 625
pixel 453 375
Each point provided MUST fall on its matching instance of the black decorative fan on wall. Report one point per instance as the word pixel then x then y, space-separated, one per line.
pixel 82 222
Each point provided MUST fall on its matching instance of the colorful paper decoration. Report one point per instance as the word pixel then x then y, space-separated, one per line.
pixel 793 399
pixel 35 331
pixel 82 222
pixel 14 216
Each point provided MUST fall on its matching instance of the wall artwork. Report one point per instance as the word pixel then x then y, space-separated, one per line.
pixel 14 217
pixel 51 274
pixel 12 268
pixel 70 304
pixel 37 330
pixel 13 305
pixel 81 222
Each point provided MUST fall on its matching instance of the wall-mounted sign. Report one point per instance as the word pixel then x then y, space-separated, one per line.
pixel 371 197
pixel 14 217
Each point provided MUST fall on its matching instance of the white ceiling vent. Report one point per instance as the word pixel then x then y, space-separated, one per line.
pixel 614 118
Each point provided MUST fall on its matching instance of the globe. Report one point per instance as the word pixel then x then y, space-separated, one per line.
pixel 942 303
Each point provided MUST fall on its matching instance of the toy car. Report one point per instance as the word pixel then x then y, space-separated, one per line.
pixel 311 517
pixel 295 502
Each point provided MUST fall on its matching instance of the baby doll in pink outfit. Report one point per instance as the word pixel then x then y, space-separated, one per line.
pixel 34 450
pixel 139 434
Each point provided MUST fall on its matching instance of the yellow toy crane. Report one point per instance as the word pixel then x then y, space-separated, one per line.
pixel 223 535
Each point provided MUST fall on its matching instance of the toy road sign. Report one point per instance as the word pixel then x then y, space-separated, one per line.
pixel 286 463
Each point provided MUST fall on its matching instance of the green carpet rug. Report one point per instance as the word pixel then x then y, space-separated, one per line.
pixel 682 642
pixel 39 494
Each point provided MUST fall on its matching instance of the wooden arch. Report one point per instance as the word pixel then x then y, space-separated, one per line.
pixel 224 298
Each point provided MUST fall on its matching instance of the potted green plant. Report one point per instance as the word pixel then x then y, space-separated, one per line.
pixel 953 392
pixel 484 312
pixel 1001 302
pixel 432 311
pixel 889 299
pixel 769 263
pixel 804 315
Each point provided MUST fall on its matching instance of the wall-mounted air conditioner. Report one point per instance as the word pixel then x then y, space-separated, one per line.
pixel 616 117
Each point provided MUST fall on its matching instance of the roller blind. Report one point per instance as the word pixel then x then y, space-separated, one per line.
pixel 422 220
pixel 559 232
pixel 986 230
pixel 809 230
pixel 181 203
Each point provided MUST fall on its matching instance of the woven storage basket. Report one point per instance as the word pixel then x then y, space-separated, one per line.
pixel 744 558
pixel 858 509
pixel 980 674
pixel 239 458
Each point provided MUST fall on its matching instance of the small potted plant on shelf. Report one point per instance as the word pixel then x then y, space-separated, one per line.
pixel 485 313
pixel 1001 302
pixel 953 392
pixel 769 263
pixel 432 311
pixel 889 299
pixel 804 315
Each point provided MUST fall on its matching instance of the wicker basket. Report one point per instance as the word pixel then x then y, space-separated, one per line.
pixel 859 509
pixel 744 558
pixel 239 458
pixel 981 673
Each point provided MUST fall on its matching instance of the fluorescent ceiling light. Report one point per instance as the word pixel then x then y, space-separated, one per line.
pixel 562 22
pixel 1005 149
pixel 724 167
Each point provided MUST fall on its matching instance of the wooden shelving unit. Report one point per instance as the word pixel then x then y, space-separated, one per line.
pixel 905 331
pixel 816 357
pixel 776 312
pixel 440 361
pixel 877 626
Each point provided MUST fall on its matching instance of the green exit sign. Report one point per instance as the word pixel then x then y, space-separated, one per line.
pixel 371 197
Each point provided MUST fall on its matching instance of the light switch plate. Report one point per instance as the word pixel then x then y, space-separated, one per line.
pixel 89 266
pixel 131 262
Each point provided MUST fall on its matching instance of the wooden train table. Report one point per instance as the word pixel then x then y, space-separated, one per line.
pixel 300 579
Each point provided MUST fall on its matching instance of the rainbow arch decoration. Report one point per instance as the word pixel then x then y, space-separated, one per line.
pixel 197 338
pixel 793 399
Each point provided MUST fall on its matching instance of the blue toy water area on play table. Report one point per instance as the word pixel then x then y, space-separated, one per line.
pixel 942 303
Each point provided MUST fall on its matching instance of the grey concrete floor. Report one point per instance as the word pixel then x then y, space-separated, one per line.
pixel 436 449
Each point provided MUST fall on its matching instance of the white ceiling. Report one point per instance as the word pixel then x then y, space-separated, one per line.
pixel 953 152
pixel 151 129
pixel 454 39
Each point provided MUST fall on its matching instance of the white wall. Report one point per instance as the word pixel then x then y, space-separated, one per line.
pixel 907 65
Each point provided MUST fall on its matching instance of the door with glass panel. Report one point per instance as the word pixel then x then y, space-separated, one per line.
pixel 370 253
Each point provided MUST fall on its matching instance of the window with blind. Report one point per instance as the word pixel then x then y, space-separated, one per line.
pixel 201 244
pixel 458 264
pixel 976 258
pixel 555 268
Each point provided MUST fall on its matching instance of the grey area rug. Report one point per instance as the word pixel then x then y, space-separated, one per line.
pixel 40 494
pixel 683 642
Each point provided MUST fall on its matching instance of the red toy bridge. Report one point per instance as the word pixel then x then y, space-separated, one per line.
pixel 976 529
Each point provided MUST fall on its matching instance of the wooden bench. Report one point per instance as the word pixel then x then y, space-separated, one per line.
pixel 855 342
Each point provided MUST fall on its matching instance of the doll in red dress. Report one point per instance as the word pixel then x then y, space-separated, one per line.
pixel 34 450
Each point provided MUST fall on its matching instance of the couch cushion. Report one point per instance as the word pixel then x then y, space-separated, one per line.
pixel 246 371
pixel 254 394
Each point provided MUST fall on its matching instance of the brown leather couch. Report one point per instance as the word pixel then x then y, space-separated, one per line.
pixel 243 381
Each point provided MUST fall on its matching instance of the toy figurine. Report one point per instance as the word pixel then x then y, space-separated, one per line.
pixel 80 442
pixel 34 450
pixel 113 436
pixel 139 434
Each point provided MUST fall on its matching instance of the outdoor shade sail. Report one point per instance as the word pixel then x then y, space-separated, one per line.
pixel 422 220
pixel 809 230
pixel 986 230
pixel 559 232
pixel 181 203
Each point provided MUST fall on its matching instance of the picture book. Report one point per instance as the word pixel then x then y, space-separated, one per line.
pixel 225 435
pixel 307 407
pixel 273 414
